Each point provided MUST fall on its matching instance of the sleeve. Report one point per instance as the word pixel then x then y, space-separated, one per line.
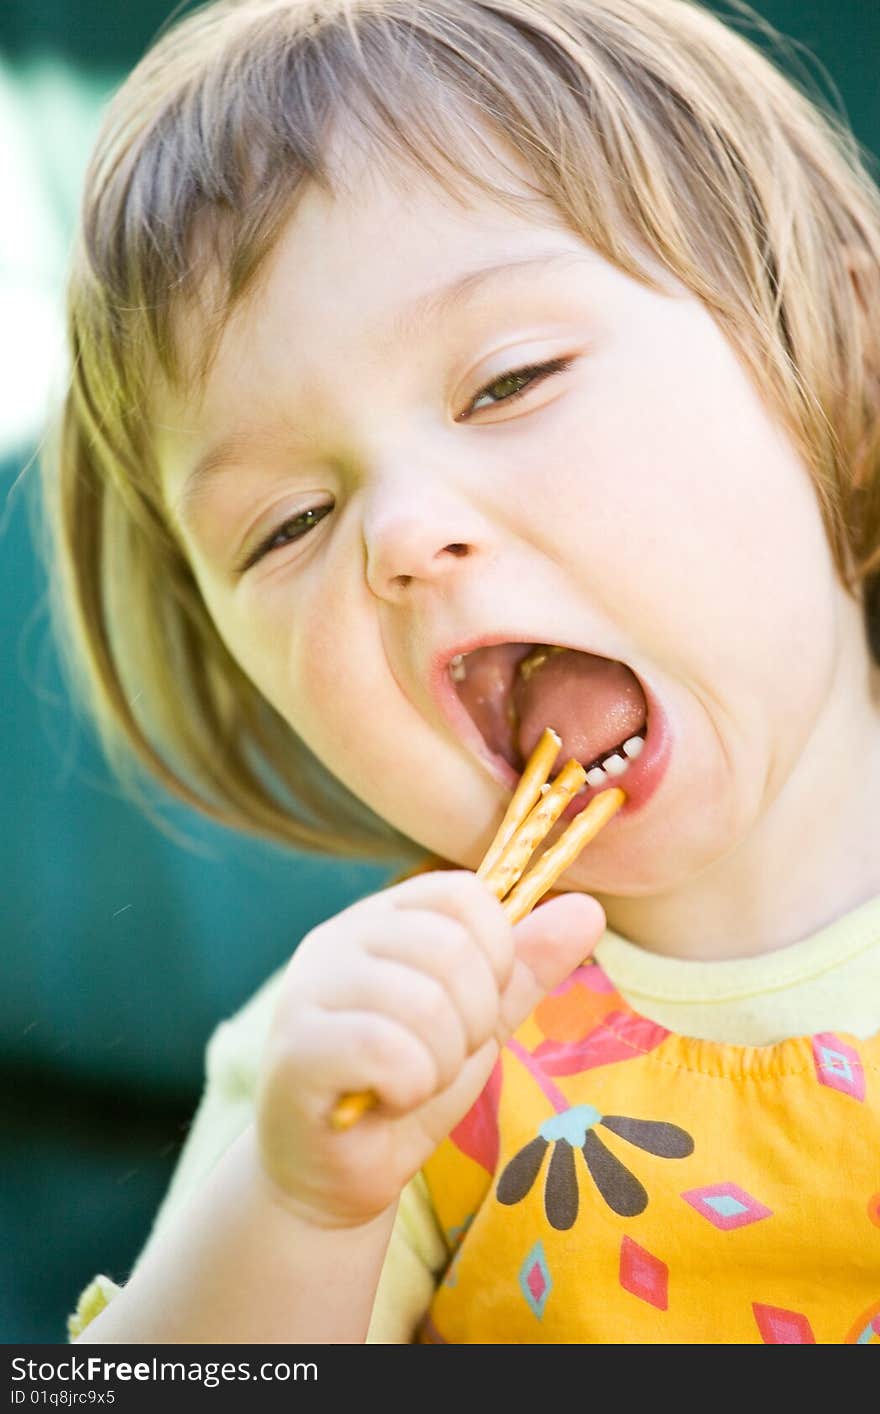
pixel 98 1294
pixel 416 1251
pixel 416 1256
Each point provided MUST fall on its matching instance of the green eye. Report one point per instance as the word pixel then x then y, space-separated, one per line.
pixel 289 530
pixel 512 385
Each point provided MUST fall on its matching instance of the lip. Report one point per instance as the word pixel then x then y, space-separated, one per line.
pixel 643 776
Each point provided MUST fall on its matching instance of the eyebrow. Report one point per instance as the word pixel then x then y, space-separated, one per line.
pixel 443 301
pixel 406 324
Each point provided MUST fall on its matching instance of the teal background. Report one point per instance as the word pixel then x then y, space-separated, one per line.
pixel 121 950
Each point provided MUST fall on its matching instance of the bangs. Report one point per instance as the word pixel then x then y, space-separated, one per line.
pixel 648 128
pixel 190 191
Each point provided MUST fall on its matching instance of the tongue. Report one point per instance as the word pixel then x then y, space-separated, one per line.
pixel 593 703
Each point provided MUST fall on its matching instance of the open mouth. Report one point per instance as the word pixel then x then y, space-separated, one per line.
pixel 512 691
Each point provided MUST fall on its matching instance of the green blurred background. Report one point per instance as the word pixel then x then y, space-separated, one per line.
pixel 121 950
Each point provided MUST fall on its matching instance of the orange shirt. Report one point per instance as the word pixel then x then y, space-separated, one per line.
pixel 617 1183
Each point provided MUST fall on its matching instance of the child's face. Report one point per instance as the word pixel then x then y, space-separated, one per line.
pixel 641 505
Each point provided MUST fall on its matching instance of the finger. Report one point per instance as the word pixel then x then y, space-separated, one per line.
pixel 551 942
pixel 461 895
pixel 441 947
pixel 445 1110
pixel 414 1000
pixel 343 1052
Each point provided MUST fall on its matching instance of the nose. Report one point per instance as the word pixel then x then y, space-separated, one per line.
pixel 418 535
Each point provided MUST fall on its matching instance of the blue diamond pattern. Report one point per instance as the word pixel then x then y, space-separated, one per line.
pixel 725 1204
pixel 837 1064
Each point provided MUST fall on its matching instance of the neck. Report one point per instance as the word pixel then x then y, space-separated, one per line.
pixel 809 860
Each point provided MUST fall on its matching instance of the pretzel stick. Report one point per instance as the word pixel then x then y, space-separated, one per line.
pixel 555 860
pixel 536 826
pixel 349 1108
pixel 519 834
pixel 528 790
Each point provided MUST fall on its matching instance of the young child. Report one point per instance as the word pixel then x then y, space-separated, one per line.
pixel 412 338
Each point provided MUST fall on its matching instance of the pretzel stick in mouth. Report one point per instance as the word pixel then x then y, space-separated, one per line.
pixel 532 813
pixel 533 829
pixel 555 860
pixel 528 791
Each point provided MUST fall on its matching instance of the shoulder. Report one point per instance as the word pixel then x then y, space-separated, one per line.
pixel 417 1254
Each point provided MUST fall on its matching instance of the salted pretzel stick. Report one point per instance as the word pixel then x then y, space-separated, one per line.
pixel 536 826
pixel 350 1107
pixel 555 860
pixel 528 790
pixel 348 1110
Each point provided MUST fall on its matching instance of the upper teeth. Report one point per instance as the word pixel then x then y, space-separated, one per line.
pixel 536 658
pixel 457 669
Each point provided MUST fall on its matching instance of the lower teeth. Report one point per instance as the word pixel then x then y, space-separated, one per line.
pixel 614 764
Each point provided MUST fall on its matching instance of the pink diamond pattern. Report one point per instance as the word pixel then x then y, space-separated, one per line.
pixel 644 1274
pixel 726 1205
pixel 537 1283
pixel 838 1065
pixel 535 1280
pixel 780 1327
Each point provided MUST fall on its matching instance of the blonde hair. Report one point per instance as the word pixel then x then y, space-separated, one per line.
pixel 648 123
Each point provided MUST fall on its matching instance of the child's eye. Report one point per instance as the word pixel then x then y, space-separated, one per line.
pixel 512 385
pixel 293 528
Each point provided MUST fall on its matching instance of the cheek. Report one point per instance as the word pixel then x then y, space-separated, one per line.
pixel 296 658
pixel 687 513
pixel 264 636
pixel 319 661
pixel 324 686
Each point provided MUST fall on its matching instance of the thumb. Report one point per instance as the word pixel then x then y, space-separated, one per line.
pixel 551 941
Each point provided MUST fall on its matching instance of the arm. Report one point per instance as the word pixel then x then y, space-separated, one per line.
pixel 410 993
pixel 272 1278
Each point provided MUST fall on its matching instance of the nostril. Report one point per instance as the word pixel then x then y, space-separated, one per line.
pixel 456 548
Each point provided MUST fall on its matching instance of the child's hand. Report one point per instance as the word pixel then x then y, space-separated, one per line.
pixel 410 993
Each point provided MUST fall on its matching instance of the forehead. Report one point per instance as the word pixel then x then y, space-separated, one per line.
pixel 381 237
pixel 375 269
pixel 375 264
